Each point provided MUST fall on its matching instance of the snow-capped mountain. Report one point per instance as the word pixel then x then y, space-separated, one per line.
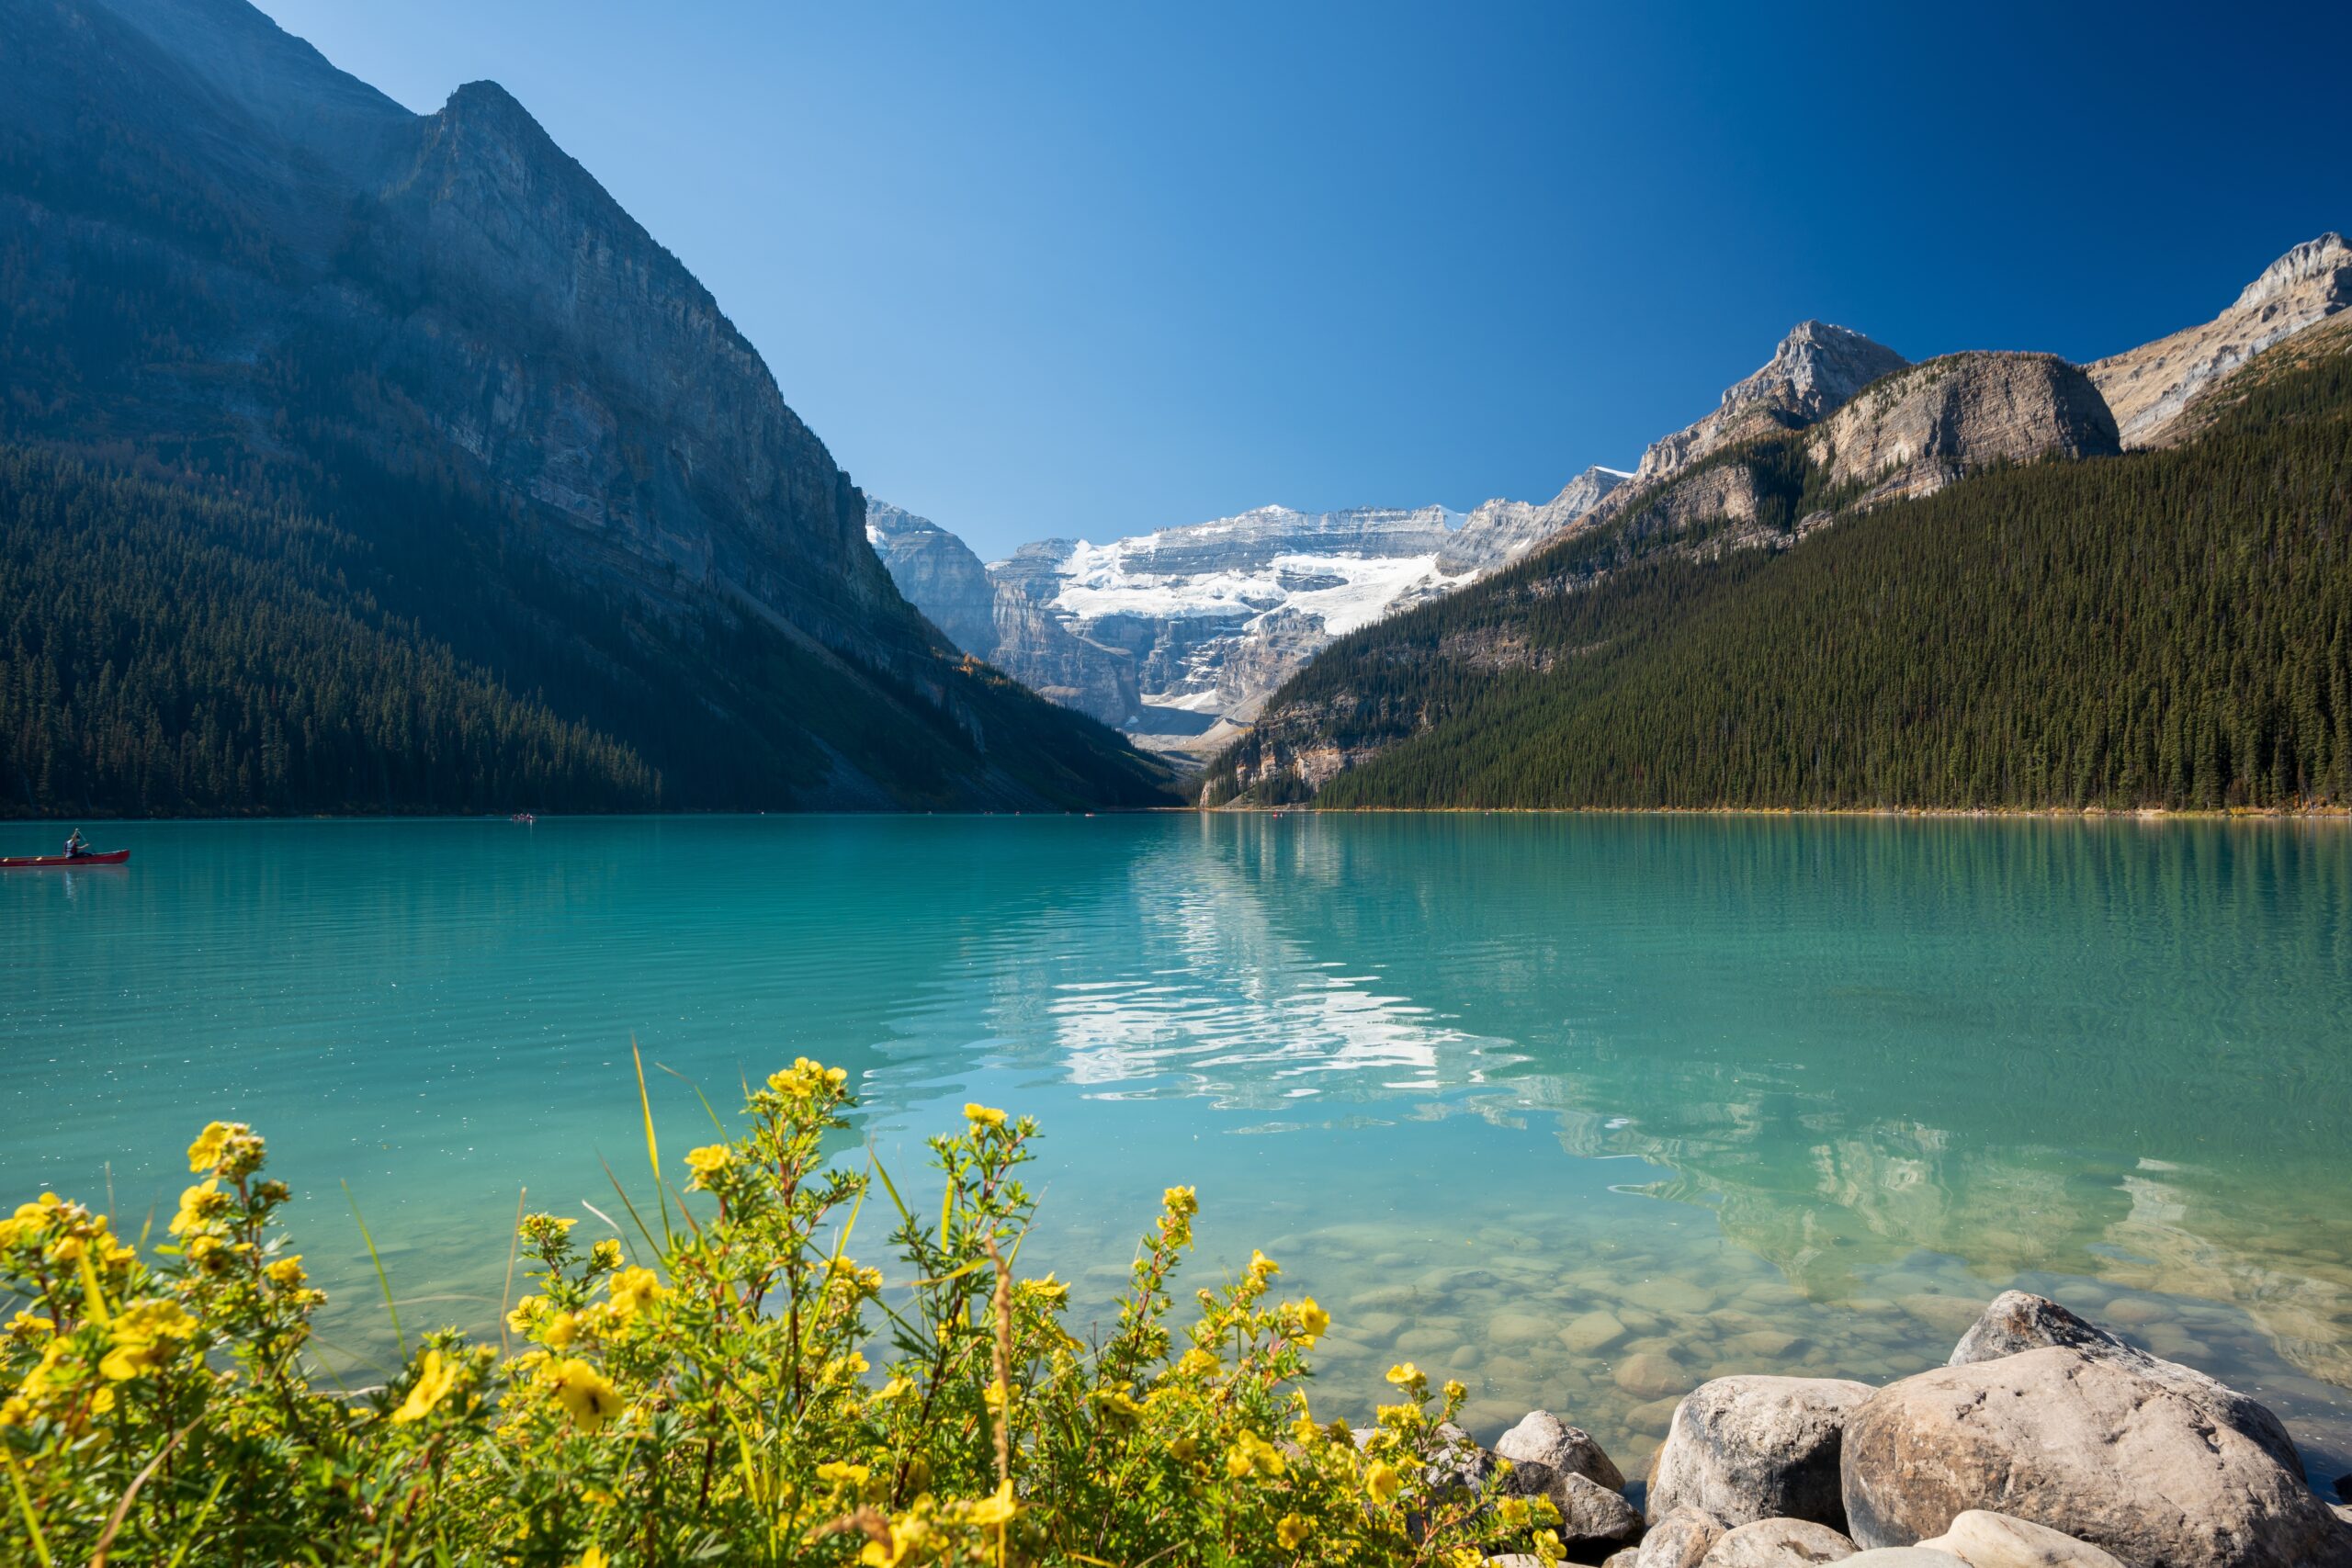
pixel 1203 621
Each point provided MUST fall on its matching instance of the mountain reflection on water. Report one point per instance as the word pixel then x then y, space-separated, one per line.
pixel 1582 1110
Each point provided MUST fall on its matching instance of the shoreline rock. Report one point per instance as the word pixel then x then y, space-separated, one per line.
pixel 2045 1441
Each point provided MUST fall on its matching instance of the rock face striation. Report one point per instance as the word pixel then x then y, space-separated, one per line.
pixel 1499 532
pixel 1185 631
pixel 1815 368
pixel 999 620
pixel 306 278
pixel 1915 431
pixel 2148 387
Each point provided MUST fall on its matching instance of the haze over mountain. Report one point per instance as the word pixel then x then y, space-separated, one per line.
pixel 547 453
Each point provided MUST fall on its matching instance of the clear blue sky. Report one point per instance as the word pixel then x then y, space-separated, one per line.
pixel 1090 268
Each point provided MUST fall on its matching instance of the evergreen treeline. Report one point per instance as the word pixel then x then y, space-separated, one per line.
pixel 186 649
pixel 162 653
pixel 2168 628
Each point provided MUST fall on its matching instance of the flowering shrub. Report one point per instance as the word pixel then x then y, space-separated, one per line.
pixel 759 1397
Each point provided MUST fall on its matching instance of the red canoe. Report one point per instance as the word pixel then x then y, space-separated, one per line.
pixel 31 863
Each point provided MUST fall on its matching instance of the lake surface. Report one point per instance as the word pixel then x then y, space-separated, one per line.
pixel 1579 1109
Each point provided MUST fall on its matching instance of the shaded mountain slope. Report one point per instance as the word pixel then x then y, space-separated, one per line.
pixel 228 264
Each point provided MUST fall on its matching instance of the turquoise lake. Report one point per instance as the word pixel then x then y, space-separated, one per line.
pixel 1580 1109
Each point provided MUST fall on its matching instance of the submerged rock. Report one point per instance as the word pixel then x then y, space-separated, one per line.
pixel 1746 1448
pixel 1779 1543
pixel 2090 1445
pixel 1985 1540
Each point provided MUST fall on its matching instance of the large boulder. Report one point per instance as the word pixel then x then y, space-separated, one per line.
pixel 1745 1448
pixel 1543 1440
pixel 1902 1557
pixel 1984 1539
pixel 2018 1321
pixel 1681 1539
pixel 2090 1445
pixel 1778 1543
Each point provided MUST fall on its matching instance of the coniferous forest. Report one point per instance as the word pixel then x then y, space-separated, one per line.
pixel 2168 628
pixel 176 648
pixel 164 653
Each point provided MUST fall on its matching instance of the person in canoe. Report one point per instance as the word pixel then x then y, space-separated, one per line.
pixel 76 846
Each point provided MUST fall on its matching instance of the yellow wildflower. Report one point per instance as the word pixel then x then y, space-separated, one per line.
pixel 527 1314
pixel 1404 1374
pixel 146 1335
pixel 1195 1363
pixel 287 1272
pixel 432 1387
pixel 1263 1267
pixel 1050 1290
pixel 1548 1546
pixel 708 1162
pixel 587 1393
pixel 995 1510
pixel 561 1330
pixel 806 1080
pixel 1251 1452
pixel 845 1475
pixel 593 1558
pixel 25 1326
pixel 909 1536
pixel 199 1204
pixel 981 1116
pixel 634 1287
pixel 1313 1321
pixel 1381 1481
pixel 606 1253
pixel 1180 1201
pixel 896 1387
pixel 205 1153
pixel 1292 1533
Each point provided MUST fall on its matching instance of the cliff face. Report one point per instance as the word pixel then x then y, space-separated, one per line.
pixel 1501 531
pixel 1815 368
pixel 1919 429
pixel 999 621
pixel 938 573
pixel 242 265
pixel 2148 387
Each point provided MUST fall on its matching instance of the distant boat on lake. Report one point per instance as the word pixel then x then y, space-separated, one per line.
pixel 43 862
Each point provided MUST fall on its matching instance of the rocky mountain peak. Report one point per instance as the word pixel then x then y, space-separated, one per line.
pixel 2149 385
pixel 1817 366
pixel 2323 264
